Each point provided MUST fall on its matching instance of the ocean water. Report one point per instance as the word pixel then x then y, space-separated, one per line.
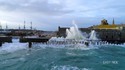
pixel 17 56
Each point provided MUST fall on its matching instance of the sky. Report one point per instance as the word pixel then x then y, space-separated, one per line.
pixel 49 14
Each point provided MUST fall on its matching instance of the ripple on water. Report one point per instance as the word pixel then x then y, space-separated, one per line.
pixel 61 59
pixel 68 67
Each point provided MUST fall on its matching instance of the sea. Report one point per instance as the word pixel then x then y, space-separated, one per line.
pixel 17 56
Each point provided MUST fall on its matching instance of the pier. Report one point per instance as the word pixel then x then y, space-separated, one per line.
pixel 31 40
pixel 8 39
pixel 4 39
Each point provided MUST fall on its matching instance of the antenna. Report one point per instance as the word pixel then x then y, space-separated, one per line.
pixel 31 25
pixel 19 26
pixel 113 22
pixel 24 25
pixel 6 26
pixel 0 26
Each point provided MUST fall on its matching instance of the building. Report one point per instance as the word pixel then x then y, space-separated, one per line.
pixel 105 25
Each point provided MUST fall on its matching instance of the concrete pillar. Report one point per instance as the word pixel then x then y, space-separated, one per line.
pixel 0 44
pixel 30 44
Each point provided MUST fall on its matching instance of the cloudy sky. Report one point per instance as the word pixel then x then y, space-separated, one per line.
pixel 49 14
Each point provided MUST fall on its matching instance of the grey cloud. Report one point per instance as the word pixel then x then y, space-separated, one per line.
pixel 49 16
pixel 42 6
pixel 98 5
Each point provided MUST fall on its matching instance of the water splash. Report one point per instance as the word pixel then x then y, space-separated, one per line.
pixel 74 38
pixel 74 33
pixel 93 35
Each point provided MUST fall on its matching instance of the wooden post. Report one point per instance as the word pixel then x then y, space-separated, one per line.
pixel 30 44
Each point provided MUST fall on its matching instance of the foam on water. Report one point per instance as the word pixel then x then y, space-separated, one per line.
pixel 12 47
pixel 68 46
pixel 16 46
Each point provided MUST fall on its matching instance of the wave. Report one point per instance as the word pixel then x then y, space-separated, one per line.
pixel 12 47
pixel 16 45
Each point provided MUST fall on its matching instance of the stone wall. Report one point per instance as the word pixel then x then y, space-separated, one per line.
pixel 110 35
